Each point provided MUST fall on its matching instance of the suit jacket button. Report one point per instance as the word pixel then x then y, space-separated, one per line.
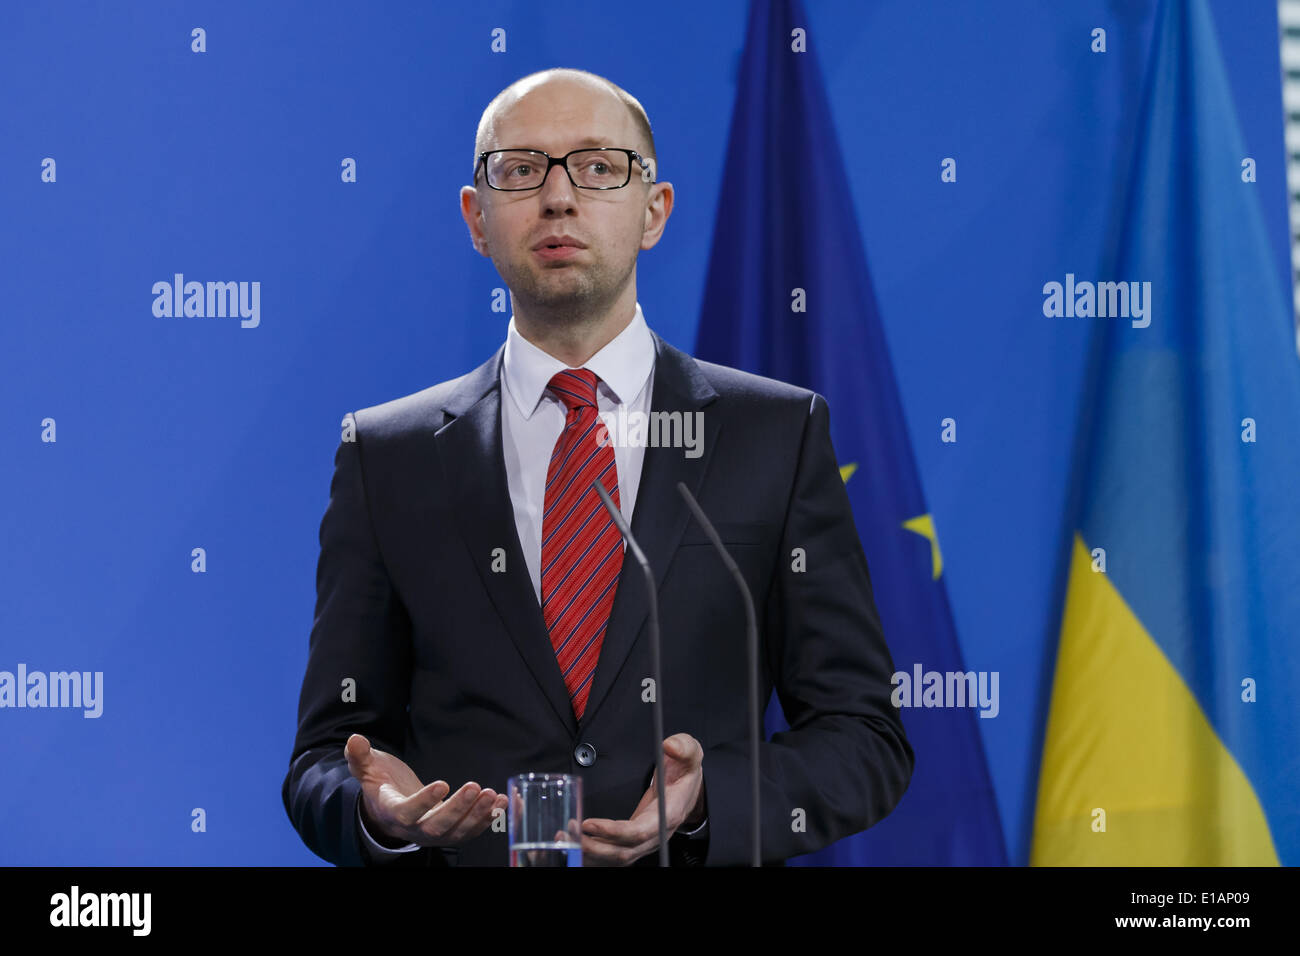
pixel 585 754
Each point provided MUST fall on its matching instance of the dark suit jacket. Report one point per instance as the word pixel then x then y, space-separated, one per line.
pixel 454 668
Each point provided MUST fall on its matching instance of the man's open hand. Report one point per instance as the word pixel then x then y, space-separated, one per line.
pixel 620 842
pixel 395 803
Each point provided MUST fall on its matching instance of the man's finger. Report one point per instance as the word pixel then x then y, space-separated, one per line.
pixel 598 852
pixel 440 821
pixel 452 808
pixel 360 755
pixel 476 818
pixel 413 807
pixel 628 833
pixel 684 747
pixel 357 750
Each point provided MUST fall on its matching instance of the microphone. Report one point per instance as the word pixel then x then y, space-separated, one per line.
pixel 656 705
pixel 752 646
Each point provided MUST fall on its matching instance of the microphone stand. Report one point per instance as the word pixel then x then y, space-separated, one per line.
pixel 657 704
pixel 752 647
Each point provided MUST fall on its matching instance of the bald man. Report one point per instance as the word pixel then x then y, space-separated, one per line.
pixel 475 593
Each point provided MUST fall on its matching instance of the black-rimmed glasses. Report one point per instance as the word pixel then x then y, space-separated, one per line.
pixel 606 167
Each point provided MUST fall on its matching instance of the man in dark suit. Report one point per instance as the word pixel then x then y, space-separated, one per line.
pixel 475 615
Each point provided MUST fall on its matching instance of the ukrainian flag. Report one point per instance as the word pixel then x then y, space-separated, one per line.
pixel 1173 736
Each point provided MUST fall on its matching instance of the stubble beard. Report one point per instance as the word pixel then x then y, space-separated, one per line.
pixel 565 296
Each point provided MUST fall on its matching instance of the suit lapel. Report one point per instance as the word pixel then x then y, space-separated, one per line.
pixel 660 514
pixel 473 466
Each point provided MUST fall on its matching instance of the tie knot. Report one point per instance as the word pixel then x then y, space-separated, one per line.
pixel 575 387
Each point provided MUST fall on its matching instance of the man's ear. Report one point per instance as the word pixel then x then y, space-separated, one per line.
pixel 661 199
pixel 472 212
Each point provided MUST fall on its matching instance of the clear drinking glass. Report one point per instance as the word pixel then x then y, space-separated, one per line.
pixel 544 819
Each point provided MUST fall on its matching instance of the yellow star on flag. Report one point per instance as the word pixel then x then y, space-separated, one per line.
pixel 924 526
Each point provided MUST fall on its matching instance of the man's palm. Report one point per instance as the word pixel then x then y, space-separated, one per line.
pixel 620 842
pixel 679 785
pixel 405 809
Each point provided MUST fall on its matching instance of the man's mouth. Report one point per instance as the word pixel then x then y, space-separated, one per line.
pixel 558 242
pixel 556 250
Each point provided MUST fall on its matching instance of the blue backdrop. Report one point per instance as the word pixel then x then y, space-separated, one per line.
pixel 183 433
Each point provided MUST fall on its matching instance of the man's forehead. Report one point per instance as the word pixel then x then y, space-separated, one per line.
pixel 555 118
pixel 556 145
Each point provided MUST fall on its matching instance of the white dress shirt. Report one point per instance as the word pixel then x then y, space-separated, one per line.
pixel 532 418
pixel 531 421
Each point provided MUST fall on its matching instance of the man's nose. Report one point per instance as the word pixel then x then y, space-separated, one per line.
pixel 556 188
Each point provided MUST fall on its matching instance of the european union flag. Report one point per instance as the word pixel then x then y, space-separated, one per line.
pixel 789 296
pixel 1172 733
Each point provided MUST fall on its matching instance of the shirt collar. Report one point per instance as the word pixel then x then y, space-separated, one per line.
pixel 623 365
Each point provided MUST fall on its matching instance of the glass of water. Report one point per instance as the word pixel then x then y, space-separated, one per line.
pixel 544 819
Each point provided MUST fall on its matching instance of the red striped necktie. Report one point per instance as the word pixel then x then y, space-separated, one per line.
pixel 582 550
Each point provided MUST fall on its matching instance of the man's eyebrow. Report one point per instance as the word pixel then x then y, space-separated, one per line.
pixel 578 144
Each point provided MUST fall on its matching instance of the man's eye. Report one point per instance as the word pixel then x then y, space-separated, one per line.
pixel 515 169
